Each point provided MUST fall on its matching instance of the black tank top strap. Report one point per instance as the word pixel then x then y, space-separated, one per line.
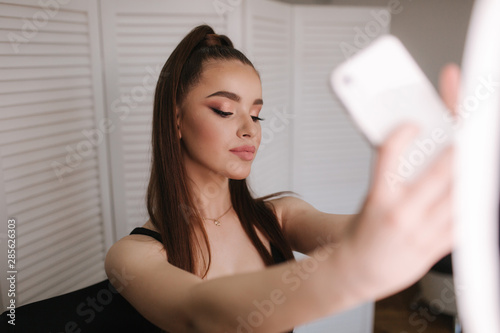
pixel 147 232
pixel 277 255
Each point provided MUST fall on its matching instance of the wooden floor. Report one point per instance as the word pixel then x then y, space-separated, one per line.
pixel 401 314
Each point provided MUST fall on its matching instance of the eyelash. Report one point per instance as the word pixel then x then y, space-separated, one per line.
pixel 225 114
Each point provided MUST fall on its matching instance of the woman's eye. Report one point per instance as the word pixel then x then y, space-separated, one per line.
pixel 226 114
pixel 221 113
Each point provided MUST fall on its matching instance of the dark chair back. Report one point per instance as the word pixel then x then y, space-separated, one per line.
pixel 96 308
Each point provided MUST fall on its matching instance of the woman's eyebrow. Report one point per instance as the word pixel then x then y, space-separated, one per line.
pixel 234 97
pixel 227 94
pixel 258 101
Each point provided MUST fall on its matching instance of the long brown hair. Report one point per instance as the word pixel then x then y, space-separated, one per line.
pixel 169 201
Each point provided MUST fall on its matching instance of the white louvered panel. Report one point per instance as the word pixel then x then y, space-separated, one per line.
pixel 83 257
pixel 268 44
pixel 60 251
pixel 50 92
pixel 35 61
pixel 40 197
pixel 63 218
pixel 138 39
pixel 11 136
pixel 80 222
pixel 38 73
pixel 40 143
pixel 323 128
pixel 45 108
pixel 17 86
pixel 331 161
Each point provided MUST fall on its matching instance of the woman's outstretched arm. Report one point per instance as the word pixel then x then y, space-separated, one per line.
pixel 277 298
pixel 396 238
pixel 398 235
pixel 269 300
pixel 394 241
pixel 306 227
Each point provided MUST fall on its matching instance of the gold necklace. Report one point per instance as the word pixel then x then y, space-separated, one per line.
pixel 216 221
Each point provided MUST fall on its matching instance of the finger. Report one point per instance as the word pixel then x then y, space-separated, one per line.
pixel 442 243
pixel 426 190
pixel 435 227
pixel 440 227
pixel 388 157
pixel 443 214
pixel 444 240
pixel 449 82
pixel 439 218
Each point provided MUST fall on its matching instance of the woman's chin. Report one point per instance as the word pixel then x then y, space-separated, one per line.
pixel 238 171
pixel 237 178
pixel 239 175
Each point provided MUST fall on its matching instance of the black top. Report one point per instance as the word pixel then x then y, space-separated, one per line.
pixel 93 309
pixel 277 255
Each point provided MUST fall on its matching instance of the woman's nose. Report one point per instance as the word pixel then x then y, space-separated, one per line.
pixel 247 126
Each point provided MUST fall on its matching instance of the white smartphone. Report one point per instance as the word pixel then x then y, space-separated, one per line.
pixel 382 87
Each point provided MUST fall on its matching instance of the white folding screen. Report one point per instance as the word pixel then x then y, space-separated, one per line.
pixel 52 108
pixel 52 147
pixel 332 161
pixel 268 44
pixel 138 38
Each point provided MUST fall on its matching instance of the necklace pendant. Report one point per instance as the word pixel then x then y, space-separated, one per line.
pixel 217 223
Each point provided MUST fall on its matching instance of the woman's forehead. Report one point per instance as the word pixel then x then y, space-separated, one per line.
pixel 232 76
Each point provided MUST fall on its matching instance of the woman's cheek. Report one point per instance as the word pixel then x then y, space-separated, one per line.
pixel 209 133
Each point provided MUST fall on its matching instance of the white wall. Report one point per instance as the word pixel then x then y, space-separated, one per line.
pixel 432 30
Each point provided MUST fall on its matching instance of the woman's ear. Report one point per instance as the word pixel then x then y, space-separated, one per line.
pixel 178 119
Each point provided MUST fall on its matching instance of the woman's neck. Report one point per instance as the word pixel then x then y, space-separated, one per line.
pixel 210 192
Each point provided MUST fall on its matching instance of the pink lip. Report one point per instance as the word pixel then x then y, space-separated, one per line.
pixel 246 155
pixel 244 152
pixel 244 148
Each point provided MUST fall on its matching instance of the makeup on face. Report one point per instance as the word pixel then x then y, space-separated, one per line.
pixel 223 108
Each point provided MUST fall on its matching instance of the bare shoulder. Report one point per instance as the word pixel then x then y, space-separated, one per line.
pixel 284 207
pixel 137 267
pixel 276 206
pixel 132 247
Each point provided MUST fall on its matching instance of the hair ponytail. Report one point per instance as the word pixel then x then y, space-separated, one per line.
pixel 217 40
pixel 169 201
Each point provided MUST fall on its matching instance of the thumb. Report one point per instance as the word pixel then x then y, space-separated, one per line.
pixel 388 160
pixel 449 84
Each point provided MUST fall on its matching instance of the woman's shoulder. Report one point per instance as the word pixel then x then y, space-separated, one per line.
pixel 142 236
pixel 284 206
pixel 280 206
pixel 134 246
pixel 137 267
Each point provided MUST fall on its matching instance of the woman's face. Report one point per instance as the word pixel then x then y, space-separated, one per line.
pixel 218 115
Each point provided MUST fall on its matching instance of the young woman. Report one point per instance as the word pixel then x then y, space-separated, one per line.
pixel 214 259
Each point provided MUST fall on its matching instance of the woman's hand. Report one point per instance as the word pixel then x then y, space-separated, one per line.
pixel 400 233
